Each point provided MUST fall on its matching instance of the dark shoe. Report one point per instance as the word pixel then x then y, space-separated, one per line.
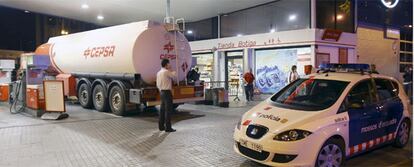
pixel 161 128
pixel 170 130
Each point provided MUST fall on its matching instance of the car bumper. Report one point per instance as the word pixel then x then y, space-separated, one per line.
pixel 276 153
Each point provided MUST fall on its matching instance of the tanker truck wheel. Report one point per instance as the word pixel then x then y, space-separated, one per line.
pixel 84 96
pixel 100 101
pixel 117 100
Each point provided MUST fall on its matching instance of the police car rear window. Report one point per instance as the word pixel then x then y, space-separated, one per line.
pixel 309 94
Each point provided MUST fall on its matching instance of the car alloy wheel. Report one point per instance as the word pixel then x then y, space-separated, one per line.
pixel 330 156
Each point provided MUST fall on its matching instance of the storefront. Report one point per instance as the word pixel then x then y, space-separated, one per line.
pixel 204 63
pixel 271 55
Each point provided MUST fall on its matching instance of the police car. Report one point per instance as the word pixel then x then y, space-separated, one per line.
pixel 326 117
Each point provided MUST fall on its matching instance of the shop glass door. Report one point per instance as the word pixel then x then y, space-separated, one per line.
pixel 234 73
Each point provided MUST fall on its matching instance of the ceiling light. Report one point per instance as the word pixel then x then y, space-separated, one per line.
pixel 85 6
pixel 292 17
pixel 26 11
pixel 339 17
pixel 389 4
pixel 189 32
pixel 100 17
pixel 411 26
pixel 272 30
pixel 239 35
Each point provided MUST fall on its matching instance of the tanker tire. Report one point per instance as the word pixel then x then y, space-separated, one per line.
pixel 117 101
pixel 100 101
pixel 84 96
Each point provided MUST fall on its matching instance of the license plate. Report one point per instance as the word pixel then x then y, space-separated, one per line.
pixel 251 145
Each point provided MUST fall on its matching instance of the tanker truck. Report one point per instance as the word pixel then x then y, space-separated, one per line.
pixel 114 68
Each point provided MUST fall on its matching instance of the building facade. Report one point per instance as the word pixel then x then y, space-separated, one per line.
pixel 291 33
pixel 272 37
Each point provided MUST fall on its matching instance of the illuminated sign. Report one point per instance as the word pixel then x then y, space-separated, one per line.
pixel 331 34
pixel 390 3
pixel 392 33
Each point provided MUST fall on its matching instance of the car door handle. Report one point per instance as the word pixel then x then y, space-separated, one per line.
pixel 380 108
pixel 365 115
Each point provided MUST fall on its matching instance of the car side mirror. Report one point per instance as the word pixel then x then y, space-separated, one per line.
pixel 356 105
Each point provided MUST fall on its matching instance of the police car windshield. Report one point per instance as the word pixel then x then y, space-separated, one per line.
pixel 309 94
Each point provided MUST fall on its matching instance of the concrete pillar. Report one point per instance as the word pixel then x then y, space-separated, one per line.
pixel 219 66
pixel 313 55
pixel 313 14
pixel 248 59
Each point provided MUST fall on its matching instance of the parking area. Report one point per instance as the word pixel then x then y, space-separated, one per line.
pixel 91 138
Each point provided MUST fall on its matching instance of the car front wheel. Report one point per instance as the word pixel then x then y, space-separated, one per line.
pixel 331 154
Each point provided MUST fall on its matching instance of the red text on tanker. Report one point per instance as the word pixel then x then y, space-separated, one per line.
pixel 106 51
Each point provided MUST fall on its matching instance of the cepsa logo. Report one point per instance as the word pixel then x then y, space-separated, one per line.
pixel 169 48
pixel 105 51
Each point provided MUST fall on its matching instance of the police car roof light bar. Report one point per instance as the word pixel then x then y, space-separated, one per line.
pixel 331 67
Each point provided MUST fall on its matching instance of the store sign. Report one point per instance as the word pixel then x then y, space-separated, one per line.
pixel 392 33
pixel 390 3
pixel 248 43
pixel 239 44
pixel 331 34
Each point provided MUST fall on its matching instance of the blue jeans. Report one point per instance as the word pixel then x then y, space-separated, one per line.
pixel 248 89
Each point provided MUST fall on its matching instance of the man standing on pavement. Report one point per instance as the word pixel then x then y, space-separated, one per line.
pixel 248 78
pixel 165 79
pixel 408 82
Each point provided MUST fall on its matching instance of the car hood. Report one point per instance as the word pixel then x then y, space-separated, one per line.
pixel 278 119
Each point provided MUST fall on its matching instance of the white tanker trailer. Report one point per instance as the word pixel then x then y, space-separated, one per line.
pixel 116 66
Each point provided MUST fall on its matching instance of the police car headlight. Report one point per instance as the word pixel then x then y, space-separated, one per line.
pixel 292 135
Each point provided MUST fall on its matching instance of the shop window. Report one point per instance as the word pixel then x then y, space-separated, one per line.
pixel 204 62
pixel 406 57
pixel 408 47
pixel 273 66
pixel 404 66
pixel 402 46
pixel 335 14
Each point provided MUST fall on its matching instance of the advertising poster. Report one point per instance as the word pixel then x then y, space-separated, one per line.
pixel 273 67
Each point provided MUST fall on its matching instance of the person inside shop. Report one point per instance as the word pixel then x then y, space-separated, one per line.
pixel 374 69
pixel 193 75
pixel 248 79
pixel 293 74
pixel 408 82
pixel 165 78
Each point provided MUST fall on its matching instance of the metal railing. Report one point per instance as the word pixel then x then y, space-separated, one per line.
pixel 233 89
